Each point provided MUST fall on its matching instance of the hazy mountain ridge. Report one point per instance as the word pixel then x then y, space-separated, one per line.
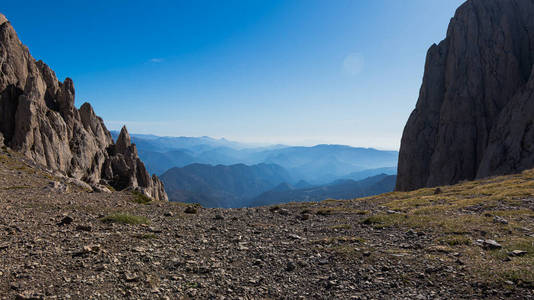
pixel 264 184
pixel 340 189
pixel 222 186
pixel 320 164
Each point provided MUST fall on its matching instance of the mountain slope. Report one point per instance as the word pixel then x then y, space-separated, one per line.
pixel 371 172
pixel 221 186
pixel 474 114
pixel 320 164
pixel 341 189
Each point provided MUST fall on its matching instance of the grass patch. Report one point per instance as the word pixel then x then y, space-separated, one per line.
pixel 146 236
pixel 141 198
pixel 339 240
pixel 327 211
pixel 385 220
pixel 520 277
pixel 17 187
pixel 341 226
pixel 455 240
pixel 324 212
pixel 464 213
pixel 346 250
pixel 125 219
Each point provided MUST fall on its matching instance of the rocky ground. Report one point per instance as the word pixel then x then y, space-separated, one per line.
pixel 58 241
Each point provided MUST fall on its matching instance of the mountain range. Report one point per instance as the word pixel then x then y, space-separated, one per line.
pixel 320 164
pixel 222 186
pixel 340 189
pixel 263 184
pixel 223 173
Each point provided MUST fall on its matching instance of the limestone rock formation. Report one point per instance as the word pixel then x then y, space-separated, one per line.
pixel 39 119
pixel 126 170
pixel 475 110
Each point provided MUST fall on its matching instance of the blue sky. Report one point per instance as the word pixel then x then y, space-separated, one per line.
pixel 297 72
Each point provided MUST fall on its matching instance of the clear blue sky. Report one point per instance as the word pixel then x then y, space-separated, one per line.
pixel 297 72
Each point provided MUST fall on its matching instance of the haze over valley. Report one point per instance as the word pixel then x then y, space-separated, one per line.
pixel 206 171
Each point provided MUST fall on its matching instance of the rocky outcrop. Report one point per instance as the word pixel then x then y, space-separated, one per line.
pixel 39 119
pixel 126 170
pixel 475 110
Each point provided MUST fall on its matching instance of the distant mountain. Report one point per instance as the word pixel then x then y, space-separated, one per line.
pixel 158 163
pixel 371 172
pixel 222 186
pixel 155 143
pixel 316 165
pixel 341 189
pixel 325 163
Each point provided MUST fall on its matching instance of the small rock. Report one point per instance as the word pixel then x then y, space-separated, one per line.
pixel 57 187
pixel 169 214
pixel 491 244
pixel 91 248
pixel 131 277
pixel 139 249
pixel 190 210
pixel 65 221
pixel 29 295
pixel 241 246
pixel 84 228
pixel 500 220
pixel 274 208
pixel 218 217
pixel 517 253
pixel 291 266
pixel 304 217
pixel 295 237
pixel 437 191
pixel 155 229
pixel 283 212
pixel 330 284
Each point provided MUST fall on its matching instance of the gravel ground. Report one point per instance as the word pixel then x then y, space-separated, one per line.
pixel 56 244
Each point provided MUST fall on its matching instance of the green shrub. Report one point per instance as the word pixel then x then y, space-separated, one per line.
pixel 125 219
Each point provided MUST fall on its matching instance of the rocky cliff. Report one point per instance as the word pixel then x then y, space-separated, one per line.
pixel 475 113
pixel 39 119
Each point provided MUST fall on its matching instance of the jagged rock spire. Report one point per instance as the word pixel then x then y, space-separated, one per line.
pixel 124 142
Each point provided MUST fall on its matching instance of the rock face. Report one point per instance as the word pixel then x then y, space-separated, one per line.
pixel 38 118
pixel 475 113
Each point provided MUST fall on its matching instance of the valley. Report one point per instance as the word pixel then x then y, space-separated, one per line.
pixel 222 173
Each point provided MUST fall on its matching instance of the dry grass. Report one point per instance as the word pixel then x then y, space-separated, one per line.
pixel 465 212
